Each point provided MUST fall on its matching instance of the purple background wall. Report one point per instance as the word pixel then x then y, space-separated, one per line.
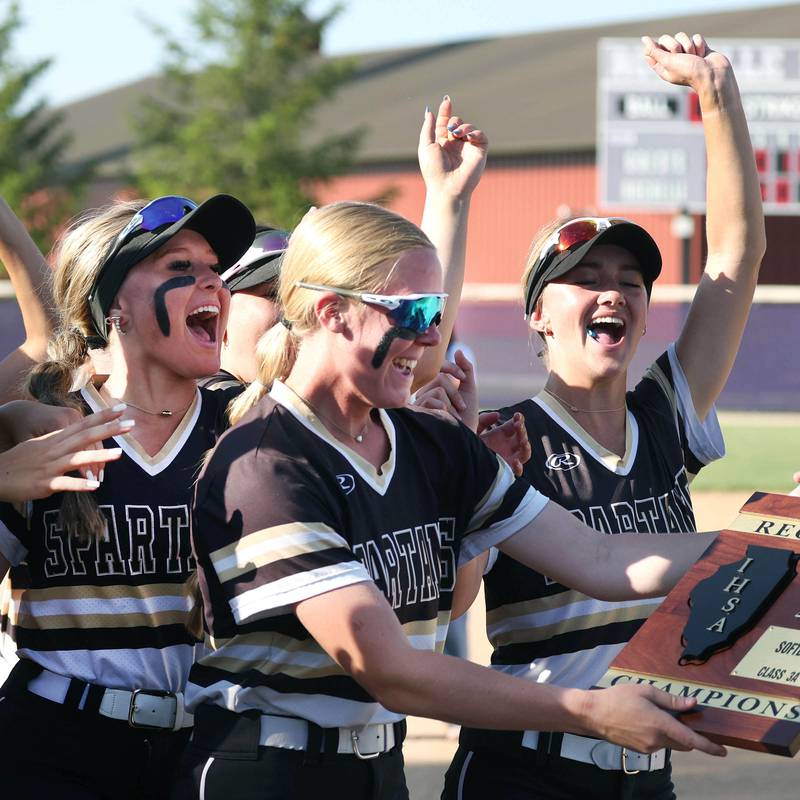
pixel 766 376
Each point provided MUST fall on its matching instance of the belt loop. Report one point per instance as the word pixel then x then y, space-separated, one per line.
pixel 549 744
pixel 94 697
pixel 74 694
pixel 543 748
pixel 316 743
pixel 400 730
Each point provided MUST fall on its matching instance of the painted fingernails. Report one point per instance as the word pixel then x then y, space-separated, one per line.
pixel 93 484
pixel 102 474
pixel 90 475
pixel 119 407
pixel 127 424
pixel 427 111
pixel 446 98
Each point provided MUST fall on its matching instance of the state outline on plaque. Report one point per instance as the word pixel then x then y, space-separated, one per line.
pixel 751 584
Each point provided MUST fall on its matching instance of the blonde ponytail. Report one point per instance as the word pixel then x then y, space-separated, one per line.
pixel 276 353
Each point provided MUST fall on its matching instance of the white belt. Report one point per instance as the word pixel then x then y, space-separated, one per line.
pixel 291 733
pixel 603 754
pixel 140 708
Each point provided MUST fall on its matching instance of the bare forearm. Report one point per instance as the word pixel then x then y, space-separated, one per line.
pixel 455 690
pixel 29 274
pixel 444 220
pixel 621 566
pixel 735 220
pixel 30 277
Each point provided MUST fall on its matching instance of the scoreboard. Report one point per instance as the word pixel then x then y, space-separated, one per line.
pixel 651 152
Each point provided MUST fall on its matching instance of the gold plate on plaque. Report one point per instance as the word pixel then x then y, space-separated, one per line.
pixel 774 658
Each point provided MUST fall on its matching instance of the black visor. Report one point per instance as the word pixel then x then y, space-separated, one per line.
pixel 223 221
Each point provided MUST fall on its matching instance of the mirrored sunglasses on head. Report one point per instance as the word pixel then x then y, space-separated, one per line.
pixel 266 244
pixel 156 214
pixel 412 312
pixel 577 231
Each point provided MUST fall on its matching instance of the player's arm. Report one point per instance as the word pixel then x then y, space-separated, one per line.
pixel 619 567
pixel 735 232
pixel 358 629
pixel 30 277
pixel 468 584
pixel 452 156
pixel 21 420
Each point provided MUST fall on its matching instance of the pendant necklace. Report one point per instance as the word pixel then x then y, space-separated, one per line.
pixel 164 412
pixel 359 437
pixel 584 410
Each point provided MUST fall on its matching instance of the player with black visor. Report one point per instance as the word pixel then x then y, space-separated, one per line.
pixel 620 461
pixel 94 708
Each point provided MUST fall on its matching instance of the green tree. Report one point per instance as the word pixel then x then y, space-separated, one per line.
pixel 236 107
pixel 32 178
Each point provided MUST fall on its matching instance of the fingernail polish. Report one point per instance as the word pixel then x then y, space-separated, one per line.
pixel 119 407
pixel 102 474
pixel 90 475
pixel 446 98
pixel 451 127
pixel 127 424
pixel 93 484
pixel 425 115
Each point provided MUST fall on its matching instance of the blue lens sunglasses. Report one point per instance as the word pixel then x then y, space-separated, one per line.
pixel 413 312
pixel 156 214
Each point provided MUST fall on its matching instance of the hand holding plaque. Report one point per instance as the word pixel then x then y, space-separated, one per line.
pixel 729 633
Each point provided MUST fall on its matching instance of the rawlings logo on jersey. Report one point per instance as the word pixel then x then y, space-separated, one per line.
pixel 347 482
pixel 562 461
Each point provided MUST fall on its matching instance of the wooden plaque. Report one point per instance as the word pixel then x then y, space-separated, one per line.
pixel 748 689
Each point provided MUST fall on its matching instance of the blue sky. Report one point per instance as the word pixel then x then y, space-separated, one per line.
pixel 100 44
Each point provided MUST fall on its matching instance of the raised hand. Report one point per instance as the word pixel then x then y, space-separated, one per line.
pixel 452 153
pixel 39 467
pixel 509 440
pixel 685 60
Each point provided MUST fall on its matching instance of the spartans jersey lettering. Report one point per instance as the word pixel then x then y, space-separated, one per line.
pixel 113 610
pixel 547 632
pixel 285 512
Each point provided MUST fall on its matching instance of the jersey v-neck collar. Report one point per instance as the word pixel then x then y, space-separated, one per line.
pixel 378 480
pixel 157 463
pixel 610 460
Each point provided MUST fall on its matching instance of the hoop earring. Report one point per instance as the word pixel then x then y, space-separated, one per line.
pixel 116 321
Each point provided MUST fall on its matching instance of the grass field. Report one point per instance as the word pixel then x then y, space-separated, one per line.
pixel 763 451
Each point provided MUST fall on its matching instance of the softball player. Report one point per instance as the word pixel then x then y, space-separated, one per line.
pixel 619 462
pixel 328 524
pixel 94 708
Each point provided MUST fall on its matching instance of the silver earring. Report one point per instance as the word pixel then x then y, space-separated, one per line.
pixel 116 321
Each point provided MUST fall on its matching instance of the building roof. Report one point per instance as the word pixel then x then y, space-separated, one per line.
pixel 533 93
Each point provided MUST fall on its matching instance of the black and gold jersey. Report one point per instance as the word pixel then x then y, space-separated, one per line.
pixel 113 611
pixel 547 632
pixel 285 512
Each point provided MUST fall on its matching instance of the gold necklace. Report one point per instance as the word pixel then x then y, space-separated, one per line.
pixel 359 437
pixel 584 410
pixel 165 412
